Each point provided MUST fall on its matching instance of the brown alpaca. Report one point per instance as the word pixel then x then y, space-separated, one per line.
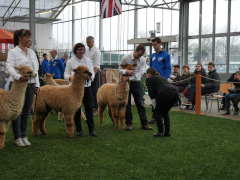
pixel 116 107
pixel 11 102
pixel 60 98
pixel 48 79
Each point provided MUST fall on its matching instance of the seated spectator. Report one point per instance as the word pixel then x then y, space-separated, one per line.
pixel 232 96
pixel 175 73
pixel 208 86
pixel 181 86
pixel 231 79
pixel 45 64
pixel 64 60
pixel 56 66
pixel 199 70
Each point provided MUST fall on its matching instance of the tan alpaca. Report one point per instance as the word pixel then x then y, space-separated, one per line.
pixel 48 79
pixel 116 107
pixel 60 98
pixel 11 102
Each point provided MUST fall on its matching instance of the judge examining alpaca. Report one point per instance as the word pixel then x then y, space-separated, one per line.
pixel 27 57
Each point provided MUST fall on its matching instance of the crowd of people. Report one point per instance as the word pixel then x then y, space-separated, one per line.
pixel 163 86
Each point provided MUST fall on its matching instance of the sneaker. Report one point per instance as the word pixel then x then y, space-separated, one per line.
pixel 187 103
pixel 26 142
pixel 152 121
pixel 222 108
pixel 80 133
pixel 95 113
pixel 93 133
pixel 147 127
pixel 19 142
pixel 226 113
pixel 129 127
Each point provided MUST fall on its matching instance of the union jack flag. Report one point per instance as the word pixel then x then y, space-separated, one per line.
pixel 109 8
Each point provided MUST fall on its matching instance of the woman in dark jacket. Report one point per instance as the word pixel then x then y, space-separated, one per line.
pixel 181 86
pixel 163 95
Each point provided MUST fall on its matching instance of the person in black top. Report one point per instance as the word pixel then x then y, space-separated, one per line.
pixel 163 95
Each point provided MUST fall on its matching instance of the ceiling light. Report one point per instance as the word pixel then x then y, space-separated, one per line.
pixel 45 12
pixel 79 2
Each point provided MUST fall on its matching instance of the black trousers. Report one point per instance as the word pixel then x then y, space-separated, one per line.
pixel 88 104
pixel 20 125
pixel 165 102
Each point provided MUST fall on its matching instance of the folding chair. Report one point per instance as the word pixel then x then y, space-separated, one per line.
pixel 224 89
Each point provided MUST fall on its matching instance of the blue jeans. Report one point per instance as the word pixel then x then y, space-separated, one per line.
pixel 191 95
pixel 231 97
pixel 94 86
pixel 136 91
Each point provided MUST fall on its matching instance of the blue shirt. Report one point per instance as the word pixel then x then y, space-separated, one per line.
pixel 45 66
pixel 64 64
pixel 162 63
pixel 56 67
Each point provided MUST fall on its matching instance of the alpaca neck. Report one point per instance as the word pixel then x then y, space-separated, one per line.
pixel 51 82
pixel 122 89
pixel 18 89
pixel 78 84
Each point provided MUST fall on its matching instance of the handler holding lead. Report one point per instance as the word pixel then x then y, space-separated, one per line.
pixel 163 95
pixel 135 87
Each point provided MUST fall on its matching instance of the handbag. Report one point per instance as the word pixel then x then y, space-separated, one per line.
pixel 234 90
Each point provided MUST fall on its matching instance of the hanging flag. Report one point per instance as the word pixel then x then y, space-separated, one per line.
pixel 109 8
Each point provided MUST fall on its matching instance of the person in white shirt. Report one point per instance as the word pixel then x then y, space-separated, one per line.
pixel 27 57
pixel 94 54
pixel 74 62
pixel 134 76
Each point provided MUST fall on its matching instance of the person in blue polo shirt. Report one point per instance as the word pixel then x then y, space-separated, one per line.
pixel 161 61
pixel 64 60
pixel 56 65
pixel 45 64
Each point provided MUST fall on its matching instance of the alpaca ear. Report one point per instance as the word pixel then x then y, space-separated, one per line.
pixel 76 69
pixel 123 66
pixel 52 74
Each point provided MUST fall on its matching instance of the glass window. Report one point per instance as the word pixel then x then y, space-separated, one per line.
pixel 130 28
pixel 221 54
pixel 193 45
pixel 206 55
pixel 115 29
pixel 173 51
pixel 207 17
pixel 175 22
pixel 106 34
pixel 141 23
pixel 235 14
pixel 193 28
pixel 158 18
pixel 55 31
pixel 221 16
pixel 150 20
pixel 234 58
pixel 167 22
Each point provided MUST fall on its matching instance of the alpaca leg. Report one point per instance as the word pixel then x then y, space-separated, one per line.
pixel 38 118
pixel 2 134
pixel 60 116
pixel 83 116
pixel 42 123
pixel 110 114
pixel 115 116
pixel 69 124
pixel 101 108
pixel 122 111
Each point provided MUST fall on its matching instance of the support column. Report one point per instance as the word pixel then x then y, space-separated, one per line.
pixel 100 40
pixel 32 22
pixel 135 23
pixel 73 24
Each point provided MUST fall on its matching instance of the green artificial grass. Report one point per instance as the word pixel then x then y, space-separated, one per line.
pixel 201 147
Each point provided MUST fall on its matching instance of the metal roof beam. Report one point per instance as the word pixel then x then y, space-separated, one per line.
pixel 8 8
pixel 12 11
pixel 60 9
pixel 144 6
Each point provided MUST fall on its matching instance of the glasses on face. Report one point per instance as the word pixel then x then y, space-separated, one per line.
pixel 81 49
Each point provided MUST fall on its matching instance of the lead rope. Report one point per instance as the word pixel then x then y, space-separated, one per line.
pixel 127 90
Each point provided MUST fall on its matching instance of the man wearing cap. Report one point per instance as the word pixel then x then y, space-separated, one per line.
pixel 161 61
pixel 175 73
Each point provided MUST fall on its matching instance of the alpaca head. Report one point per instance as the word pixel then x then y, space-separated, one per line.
pixel 83 71
pixel 26 71
pixel 48 76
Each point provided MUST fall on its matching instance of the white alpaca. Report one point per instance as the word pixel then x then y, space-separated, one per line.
pixel 11 102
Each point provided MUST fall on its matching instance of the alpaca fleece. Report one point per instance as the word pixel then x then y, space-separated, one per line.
pixel 62 99
pixel 116 107
pixel 11 102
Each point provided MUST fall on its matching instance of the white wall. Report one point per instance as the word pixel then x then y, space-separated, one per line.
pixel 43 33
